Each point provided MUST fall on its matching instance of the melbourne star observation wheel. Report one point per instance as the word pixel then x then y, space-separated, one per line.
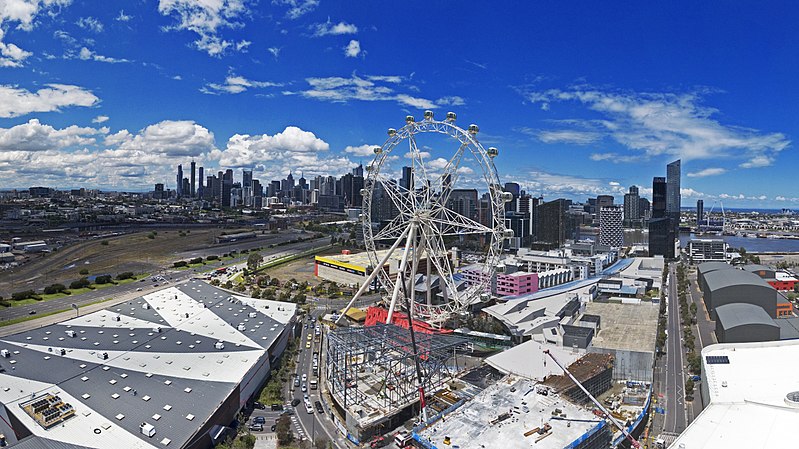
pixel 438 203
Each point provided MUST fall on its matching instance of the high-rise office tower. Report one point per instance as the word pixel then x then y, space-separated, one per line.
pixel 661 229
pixel 358 171
pixel 554 226
pixel 632 202
pixel 179 181
pixel 515 190
pixel 407 178
pixel 673 197
pixel 611 232
pixel 700 212
pixel 200 179
pixel 227 185
pixel 193 192
pixel 604 201
pixel 246 178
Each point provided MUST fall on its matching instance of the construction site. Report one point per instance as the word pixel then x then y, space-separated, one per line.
pixel 555 413
pixel 373 378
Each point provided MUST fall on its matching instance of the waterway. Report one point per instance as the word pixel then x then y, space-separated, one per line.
pixel 753 244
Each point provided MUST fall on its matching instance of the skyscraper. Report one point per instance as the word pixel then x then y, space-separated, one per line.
pixel 700 212
pixel 227 185
pixel 661 229
pixel 554 227
pixel 673 197
pixel 192 181
pixel 611 232
pixel 246 178
pixel 407 178
pixel 632 202
pixel 179 181
pixel 200 179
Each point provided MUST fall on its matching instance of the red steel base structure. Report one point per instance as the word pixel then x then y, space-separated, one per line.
pixel 379 315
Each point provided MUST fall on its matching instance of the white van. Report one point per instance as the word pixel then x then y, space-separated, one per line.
pixel 308 407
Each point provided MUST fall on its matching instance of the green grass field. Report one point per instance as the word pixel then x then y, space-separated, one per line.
pixel 77 291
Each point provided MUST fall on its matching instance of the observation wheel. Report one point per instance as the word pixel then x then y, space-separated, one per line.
pixel 437 203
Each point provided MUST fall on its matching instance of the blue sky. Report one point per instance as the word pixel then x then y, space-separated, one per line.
pixel 581 98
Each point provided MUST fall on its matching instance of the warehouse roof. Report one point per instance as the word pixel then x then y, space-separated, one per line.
pixel 789 328
pixel 707 267
pixel 756 267
pixel 752 395
pixel 168 359
pixel 742 314
pixel 716 280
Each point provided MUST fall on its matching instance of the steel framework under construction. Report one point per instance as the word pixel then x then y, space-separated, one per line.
pixel 371 371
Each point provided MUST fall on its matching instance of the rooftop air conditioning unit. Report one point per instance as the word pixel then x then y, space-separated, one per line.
pixel 253 315
pixel 104 355
pixel 147 429
pixel 5 353
pixel 116 318
pixel 157 330
pixel 187 314
pixel 219 345
pixel 145 306
pixel 71 333
pixel 241 327
pixel 62 351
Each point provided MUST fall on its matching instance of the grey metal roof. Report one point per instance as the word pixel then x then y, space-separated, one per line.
pixel 789 328
pixel 34 442
pixel 756 267
pixel 707 267
pixel 719 279
pixel 138 393
pixel 741 314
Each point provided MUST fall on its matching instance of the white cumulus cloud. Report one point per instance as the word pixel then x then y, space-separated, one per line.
pixel 207 19
pixel 353 49
pixel 361 150
pixel 15 101
pixel 100 119
pixel 297 8
pixel 90 24
pixel 333 29
pixel 715 171
pixel 23 13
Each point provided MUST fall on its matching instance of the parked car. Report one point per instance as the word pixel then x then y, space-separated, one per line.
pixel 304 377
pixel 296 381
pixel 304 388
pixel 257 427
pixel 273 427
pixel 259 420
pixel 258 405
pixel 295 402
pixel 319 407
pixel 277 407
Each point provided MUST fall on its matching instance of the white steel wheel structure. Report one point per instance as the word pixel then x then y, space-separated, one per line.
pixel 423 221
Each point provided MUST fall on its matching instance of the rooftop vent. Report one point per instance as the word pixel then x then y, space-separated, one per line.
pixel 147 429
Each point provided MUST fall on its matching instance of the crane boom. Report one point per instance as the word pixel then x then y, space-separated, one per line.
pixel 596 402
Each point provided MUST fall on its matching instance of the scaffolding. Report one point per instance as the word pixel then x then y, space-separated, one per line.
pixel 371 371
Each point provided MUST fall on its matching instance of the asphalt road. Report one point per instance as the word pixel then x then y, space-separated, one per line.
pixel 148 286
pixel 675 419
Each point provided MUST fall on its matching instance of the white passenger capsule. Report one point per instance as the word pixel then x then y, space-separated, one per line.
pixel 451 117
pixel 392 132
pixel 379 150
pixel 428 115
pixel 492 152
pixel 409 119
pixel 507 197
pixel 474 129
pixel 507 233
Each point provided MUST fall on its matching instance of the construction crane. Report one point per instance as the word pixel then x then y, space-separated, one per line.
pixel 633 442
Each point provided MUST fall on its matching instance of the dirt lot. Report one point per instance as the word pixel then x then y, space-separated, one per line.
pixel 132 252
pixel 301 269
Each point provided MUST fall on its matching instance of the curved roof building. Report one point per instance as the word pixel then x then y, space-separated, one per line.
pixel 738 286
pixel 741 322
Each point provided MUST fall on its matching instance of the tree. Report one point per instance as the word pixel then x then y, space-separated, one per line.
pixel 80 283
pixel 54 288
pixel 83 271
pixel 689 386
pixel 253 260
pixel 125 275
pixel 283 430
pixel 104 279
pixel 180 263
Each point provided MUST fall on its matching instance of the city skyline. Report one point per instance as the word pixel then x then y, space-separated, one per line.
pixel 115 96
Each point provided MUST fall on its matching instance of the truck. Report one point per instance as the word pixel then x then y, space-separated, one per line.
pixel 314 384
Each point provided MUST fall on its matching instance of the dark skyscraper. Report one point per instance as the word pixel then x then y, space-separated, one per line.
pixel 700 211
pixel 193 178
pixel 407 178
pixel 661 228
pixel 246 178
pixel 179 181
pixel 673 196
pixel 554 226
pixel 227 184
